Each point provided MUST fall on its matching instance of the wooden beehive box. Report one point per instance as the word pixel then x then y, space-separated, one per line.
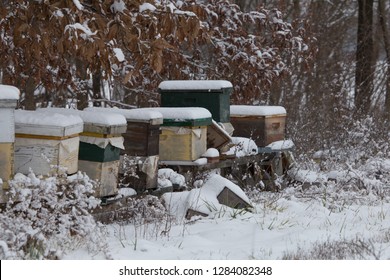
pixel 104 173
pixel 9 96
pixel 143 130
pixel 214 95
pixel 100 145
pixel 262 124
pixel 183 133
pixel 101 139
pixel 141 147
pixel 46 142
pixel 6 162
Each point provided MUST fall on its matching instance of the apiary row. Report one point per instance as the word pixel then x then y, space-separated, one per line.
pixel 106 143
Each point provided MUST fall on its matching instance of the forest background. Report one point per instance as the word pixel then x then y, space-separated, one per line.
pixel 327 62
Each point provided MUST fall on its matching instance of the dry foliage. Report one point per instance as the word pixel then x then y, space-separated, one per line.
pixel 53 47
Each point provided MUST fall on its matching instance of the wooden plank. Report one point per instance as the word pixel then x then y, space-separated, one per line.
pixel 45 137
pixel 48 130
pixel 216 136
pixel 98 135
pixel 6 162
pixel 229 198
pixel 41 154
pixel 105 173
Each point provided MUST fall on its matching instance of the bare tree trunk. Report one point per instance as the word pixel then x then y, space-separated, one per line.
pixel 364 76
pixel 386 39
pixel 82 92
pixel 29 101
pixel 96 87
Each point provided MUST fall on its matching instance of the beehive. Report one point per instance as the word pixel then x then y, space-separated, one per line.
pixel 262 124
pixel 214 95
pixel 100 144
pixel 46 142
pixel 143 130
pixel 183 133
pixel 141 146
pixel 9 96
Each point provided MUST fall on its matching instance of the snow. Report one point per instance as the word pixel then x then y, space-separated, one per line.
pixel 242 147
pixel 323 221
pixel 167 178
pixel 203 199
pixel 211 152
pixel 118 6
pixel 119 54
pixel 9 92
pixel 78 4
pixel 86 30
pixel 195 85
pixel 281 145
pixel 280 225
pixel 146 7
pixel 247 110
pixel 39 118
pixel 182 114
pixel 141 114
pixel 126 192
pixel 107 119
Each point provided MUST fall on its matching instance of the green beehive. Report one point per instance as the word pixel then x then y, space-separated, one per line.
pixel 209 94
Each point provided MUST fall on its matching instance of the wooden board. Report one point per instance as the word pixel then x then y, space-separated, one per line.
pixel 216 136
pixel 229 198
pixel 8 103
pixel 141 139
pixel 6 162
pixel 105 173
pixel 48 130
pixel 40 154
pixel 7 125
pixel 183 143
pixel 261 129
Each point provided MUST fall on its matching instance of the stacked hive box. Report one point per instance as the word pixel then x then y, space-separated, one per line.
pixel 46 142
pixel 183 133
pixel 209 94
pixel 141 146
pixel 8 98
pixel 263 124
pixel 100 144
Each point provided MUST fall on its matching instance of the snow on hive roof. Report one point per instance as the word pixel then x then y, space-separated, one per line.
pixel 47 123
pixel 248 110
pixel 90 116
pixel 9 92
pixel 195 85
pixel 131 114
pixel 180 113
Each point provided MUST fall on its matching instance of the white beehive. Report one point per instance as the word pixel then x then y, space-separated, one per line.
pixel 9 96
pixel 46 142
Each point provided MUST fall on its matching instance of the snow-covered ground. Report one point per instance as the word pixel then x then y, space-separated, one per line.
pixel 320 222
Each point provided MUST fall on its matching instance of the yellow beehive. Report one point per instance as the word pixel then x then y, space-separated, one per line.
pixel 183 133
pixel 6 162
pixel 182 143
